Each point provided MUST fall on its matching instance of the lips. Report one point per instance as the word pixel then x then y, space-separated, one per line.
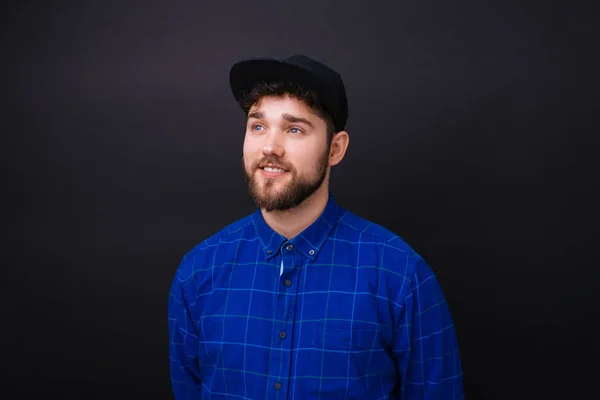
pixel 270 169
pixel 273 168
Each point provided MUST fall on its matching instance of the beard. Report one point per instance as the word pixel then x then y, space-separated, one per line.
pixel 293 194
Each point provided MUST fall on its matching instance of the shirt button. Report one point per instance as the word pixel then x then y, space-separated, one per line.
pixel 289 247
pixel 269 251
pixel 312 252
pixel 277 385
pixel 287 283
pixel 282 335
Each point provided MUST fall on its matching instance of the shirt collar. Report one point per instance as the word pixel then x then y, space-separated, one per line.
pixel 308 242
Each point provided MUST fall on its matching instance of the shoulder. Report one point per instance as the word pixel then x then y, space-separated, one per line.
pixel 404 270
pixel 200 257
pixel 397 256
pixel 375 232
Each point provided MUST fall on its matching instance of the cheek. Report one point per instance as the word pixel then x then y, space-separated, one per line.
pixel 310 158
pixel 250 149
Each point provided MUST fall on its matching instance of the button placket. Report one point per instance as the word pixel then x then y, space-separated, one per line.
pixel 286 302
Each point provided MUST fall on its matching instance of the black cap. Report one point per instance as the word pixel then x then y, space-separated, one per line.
pixel 299 69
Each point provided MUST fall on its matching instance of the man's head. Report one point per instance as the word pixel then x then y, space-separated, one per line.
pixel 293 136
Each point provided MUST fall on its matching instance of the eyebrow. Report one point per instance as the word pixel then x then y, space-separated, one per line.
pixel 286 116
pixel 291 118
pixel 256 114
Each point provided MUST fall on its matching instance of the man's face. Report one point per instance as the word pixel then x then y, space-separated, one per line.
pixel 285 152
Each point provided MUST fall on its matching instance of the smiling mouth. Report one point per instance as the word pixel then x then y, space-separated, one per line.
pixel 273 169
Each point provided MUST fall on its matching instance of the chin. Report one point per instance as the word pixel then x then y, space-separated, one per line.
pixel 271 193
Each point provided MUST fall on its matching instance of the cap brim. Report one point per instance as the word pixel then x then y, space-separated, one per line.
pixel 245 74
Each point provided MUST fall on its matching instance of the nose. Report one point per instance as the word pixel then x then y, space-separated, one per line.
pixel 273 144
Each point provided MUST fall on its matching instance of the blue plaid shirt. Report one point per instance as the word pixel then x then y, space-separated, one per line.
pixel 344 310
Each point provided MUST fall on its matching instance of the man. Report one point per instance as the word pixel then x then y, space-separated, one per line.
pixel 303 299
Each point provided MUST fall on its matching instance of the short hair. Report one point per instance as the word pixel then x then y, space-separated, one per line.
pixel 279 88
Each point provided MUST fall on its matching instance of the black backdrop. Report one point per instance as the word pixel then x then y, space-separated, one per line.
pixel 473 136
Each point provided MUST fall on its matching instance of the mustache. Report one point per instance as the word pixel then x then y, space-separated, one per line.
pixel 274 160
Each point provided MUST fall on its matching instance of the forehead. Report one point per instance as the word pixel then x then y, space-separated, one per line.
pixel 277 105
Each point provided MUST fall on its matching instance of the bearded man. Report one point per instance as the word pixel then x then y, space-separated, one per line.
pixel 302 299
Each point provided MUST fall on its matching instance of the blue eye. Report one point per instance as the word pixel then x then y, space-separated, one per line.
pixel 256 126
pixel 295 130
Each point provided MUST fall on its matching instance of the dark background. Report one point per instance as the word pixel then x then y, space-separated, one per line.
pixel 474 136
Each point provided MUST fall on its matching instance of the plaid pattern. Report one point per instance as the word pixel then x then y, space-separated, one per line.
pixel 356 314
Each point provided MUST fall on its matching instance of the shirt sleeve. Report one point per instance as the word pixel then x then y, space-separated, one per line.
pixel 425 344
pixel 183 340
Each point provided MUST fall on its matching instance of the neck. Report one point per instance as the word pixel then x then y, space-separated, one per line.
pixel 290 223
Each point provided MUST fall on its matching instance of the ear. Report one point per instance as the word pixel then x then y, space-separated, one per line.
pixel 339 145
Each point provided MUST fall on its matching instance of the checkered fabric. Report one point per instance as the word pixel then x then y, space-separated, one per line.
pixel 355 313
